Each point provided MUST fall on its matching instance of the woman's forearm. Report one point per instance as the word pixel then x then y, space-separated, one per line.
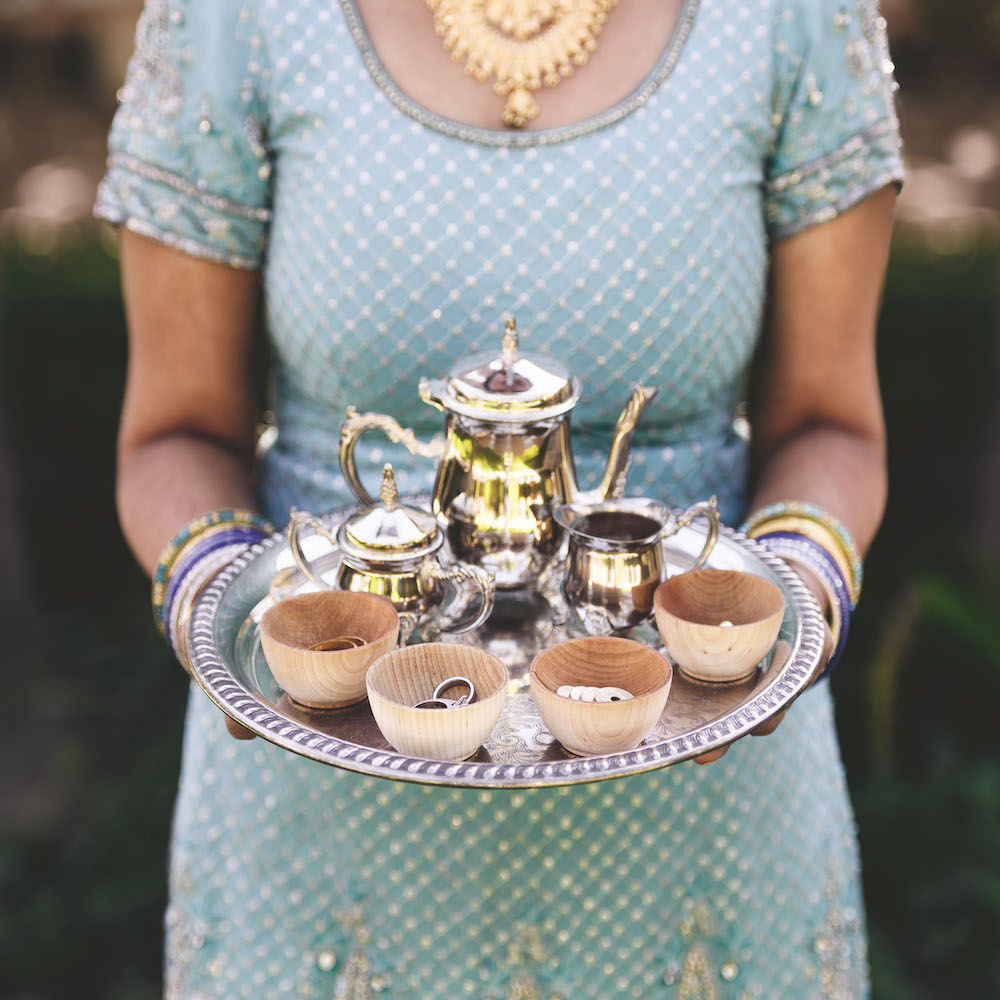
pixel 838 470
pixel 186 440
pixel 168 481
pixel 816 412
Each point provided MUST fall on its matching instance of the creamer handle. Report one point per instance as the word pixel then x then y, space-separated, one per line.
pixel 297 520
pixel 709 509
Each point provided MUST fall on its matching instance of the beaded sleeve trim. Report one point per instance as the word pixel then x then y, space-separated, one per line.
pixel 143 198
pixel 831 209
pixel 183 186
pixel 185 244
pixel 856 144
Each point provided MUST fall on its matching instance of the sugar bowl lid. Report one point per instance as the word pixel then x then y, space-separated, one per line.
pixel 511 386
pixel 389 531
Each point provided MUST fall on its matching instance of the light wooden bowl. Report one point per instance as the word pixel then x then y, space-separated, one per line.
pixel 326 678
pixel 587 728
pixel 690 608
pixel 398 680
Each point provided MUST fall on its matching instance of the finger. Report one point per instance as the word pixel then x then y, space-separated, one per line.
pixel 828 647
pixel 768 727
pixel 238 731
pixel 782 651
pixel 711 756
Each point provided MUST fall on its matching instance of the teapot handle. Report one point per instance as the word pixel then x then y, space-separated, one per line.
pixel 465 576
pixel 709 509
pixel 297 520
pixel 356 424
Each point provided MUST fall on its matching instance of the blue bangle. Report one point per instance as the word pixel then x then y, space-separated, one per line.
pixel 197 551
pixel 207 523
pixel 786 511
pixel 798 548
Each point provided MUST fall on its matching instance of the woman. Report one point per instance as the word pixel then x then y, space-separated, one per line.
pixel 717 180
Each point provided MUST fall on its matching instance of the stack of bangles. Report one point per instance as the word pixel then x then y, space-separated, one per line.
pixel 806 535
pixel 189 563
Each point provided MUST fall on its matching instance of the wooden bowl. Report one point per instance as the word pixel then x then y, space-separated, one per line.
pixel 690 608
pixel 588 727
pixel 326 678
pixel 401 679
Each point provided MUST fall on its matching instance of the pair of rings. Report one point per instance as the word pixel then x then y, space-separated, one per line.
pixel 438 701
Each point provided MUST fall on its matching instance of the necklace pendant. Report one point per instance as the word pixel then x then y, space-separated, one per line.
pixel 522 44
pixel 520 108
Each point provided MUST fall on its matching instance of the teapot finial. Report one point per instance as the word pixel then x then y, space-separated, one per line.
pixel 389 493
pixel 508 346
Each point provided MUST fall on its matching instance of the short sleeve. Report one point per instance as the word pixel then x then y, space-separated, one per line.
pixel 188 162
pixel 836 137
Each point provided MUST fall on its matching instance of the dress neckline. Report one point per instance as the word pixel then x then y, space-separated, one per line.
pixel 509 137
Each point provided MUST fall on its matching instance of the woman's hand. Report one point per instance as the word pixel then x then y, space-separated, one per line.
pixel 238 731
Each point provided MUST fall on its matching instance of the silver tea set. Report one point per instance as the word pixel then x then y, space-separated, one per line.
pixel 506 509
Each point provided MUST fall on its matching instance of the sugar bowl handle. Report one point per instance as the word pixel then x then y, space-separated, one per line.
pixel 297 520
pixel 356 424
pixel 709 509
pixel 453 617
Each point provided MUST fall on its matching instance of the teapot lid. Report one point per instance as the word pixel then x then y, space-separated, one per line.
pixel 512 386
pixel 388 530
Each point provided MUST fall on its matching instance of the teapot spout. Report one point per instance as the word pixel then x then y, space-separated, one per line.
pixel 612 484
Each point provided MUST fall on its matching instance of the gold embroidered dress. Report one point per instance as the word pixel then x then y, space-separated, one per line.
pixel 634 246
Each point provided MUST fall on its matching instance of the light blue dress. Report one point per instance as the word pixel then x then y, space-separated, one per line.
pixel 633 246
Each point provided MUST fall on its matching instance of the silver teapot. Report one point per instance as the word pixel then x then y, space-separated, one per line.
pixel 394 551
pixel 505 463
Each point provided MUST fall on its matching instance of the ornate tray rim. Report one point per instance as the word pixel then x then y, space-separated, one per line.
pixel 215 678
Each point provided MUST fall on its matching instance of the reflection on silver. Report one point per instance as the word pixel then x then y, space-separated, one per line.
pixel 506 462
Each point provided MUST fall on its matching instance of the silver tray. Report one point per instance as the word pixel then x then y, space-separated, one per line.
pixel 228 663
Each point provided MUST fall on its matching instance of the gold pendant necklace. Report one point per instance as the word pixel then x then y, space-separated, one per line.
pixel 521 43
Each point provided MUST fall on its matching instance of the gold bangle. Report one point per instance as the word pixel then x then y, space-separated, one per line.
pixel 843 539
pixel 821 534
pixel 195 532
